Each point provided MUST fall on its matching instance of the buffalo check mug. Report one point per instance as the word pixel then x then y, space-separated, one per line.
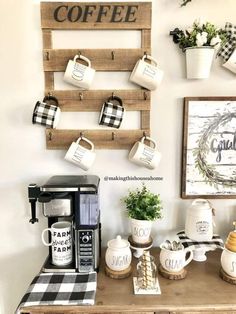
pixel 47 112
pixel 81 156
pixel 112 112
pixel 146 74
pixel 79 74
pixel 145 155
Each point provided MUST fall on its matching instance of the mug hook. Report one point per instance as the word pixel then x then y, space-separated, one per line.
pixel 144 134
pixel 81 134
pixel 113 55
pixel 113 136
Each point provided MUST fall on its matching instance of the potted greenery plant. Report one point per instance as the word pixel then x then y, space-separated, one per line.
pixel 199 42
pixel 143 207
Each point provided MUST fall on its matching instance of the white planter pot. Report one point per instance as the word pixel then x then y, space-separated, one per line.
pixel 198 62
pixel 141 230
pixel 228 262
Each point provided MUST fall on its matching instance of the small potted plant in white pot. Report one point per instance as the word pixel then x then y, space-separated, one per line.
pixel 199 43
pixel 143 207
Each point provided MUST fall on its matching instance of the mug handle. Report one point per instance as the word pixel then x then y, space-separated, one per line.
pixel 86 140
pixel 49 97
pixel 150 58
pixel 42 236
pixel 150 140
pixel 115 98
pixel 190 257
pixel 83 58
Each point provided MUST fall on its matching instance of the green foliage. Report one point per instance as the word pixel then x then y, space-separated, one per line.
pixel 141 204
pixel 200 34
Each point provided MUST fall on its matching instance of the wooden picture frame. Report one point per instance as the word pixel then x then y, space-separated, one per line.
pixel 209 147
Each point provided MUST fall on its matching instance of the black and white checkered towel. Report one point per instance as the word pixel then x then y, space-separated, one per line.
pixel 228 48
pixel 60 289
pixel 213 244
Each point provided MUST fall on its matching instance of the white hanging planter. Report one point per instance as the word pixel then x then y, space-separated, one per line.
pixel 199 61
pixel 141 230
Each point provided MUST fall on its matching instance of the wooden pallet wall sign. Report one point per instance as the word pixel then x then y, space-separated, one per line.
pixel 96 16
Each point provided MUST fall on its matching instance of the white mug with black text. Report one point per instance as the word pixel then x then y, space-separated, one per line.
pixel 81 156
pixel 175 261
pixel 145 155
pixel 146 74
pixel 79 74
pixel 61 242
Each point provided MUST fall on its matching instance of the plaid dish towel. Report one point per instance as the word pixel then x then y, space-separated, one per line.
pixel 213 244
pixel 228 48
pixel 60 289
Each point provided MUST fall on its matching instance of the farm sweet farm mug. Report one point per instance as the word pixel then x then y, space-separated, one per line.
pixel 61 243
pixel 81 156
pixel 144 155
pixel 79 74
pixel 147 75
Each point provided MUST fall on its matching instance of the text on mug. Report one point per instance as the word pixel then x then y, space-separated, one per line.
pixel 173 264
pixel 141 232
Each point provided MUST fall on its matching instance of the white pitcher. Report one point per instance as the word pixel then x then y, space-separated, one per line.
pixel 199 221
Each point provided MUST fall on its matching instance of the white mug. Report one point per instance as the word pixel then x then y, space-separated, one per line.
pixel 81 156
pixel 144 155
pixel 230 64
pixel 174 261
pixel 147 75
pixel 79 74
pixel 61 235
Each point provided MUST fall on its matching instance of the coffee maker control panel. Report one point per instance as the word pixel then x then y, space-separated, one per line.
pixel 85 250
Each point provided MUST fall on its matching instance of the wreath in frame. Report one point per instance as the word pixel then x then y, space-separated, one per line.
pixel 209 172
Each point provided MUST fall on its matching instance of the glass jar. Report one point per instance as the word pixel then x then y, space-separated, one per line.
pixel 146 272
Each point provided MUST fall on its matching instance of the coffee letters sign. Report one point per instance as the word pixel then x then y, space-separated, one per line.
pixel 209 150
pixel 97 15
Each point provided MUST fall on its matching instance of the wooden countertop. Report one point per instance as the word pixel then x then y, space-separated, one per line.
pixel 201 290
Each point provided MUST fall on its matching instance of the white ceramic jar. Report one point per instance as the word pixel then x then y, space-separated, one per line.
pixel 199 221
pixel 118 254
pixel 228 262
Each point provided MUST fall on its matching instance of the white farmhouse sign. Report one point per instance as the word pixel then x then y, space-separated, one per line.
pixel 209 147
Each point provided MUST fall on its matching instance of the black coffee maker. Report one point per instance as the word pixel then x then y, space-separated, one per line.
pixel 76 199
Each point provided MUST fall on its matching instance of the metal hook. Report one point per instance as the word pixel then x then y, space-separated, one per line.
pixel 234 223
pixel 50 136
pixel 145 95
pixel 113 95
pixel 113 136
pixel 47 55
pixel 145 53
pixel 81 134
pixel 81 96
pixel 49 94
pixel 113 55
pixel 144 134
pixel 79 54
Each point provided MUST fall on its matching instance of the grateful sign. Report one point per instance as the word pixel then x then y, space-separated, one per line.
pixel 98 15
pixel 209 147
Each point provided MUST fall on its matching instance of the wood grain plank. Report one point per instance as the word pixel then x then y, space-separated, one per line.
pixel 47 39
pixel 145 119
pixel 83 15
pixel 102 139
pixel 49 80
pixel 101 59
pixel 146 39
pixel 91 101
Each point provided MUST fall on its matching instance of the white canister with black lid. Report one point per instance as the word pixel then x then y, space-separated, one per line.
pixel 199 221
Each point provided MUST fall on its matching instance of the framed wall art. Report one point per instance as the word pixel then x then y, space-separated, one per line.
pixel 209 147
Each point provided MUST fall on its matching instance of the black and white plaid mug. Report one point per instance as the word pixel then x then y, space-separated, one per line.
pixel 112 112
pixel 47 112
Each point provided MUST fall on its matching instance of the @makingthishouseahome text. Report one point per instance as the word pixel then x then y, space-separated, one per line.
pixel 132 178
